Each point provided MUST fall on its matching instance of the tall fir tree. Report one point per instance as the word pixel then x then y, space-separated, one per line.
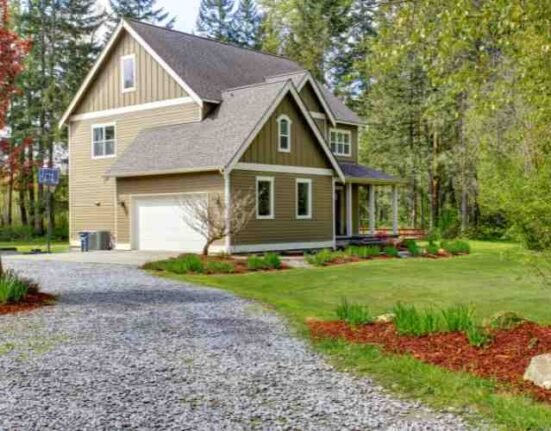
pixel 248 25
pixel 141 10
pixel 216 20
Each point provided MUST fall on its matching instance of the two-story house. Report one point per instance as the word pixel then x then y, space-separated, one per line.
pixel 165 116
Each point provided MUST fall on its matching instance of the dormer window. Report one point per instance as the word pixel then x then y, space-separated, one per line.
pixel 128 73
pixel 341 142
pixel 284 134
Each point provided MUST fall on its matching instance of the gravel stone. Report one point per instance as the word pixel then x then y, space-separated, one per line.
pixel 125 350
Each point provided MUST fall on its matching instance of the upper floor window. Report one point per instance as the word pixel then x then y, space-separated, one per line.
pixel 103 141
pixel 128 72
pixel 341 142
pixel 284 133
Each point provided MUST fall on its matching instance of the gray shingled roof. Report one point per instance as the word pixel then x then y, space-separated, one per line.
pixel 357 171
pixel 210 67
pixel 207 144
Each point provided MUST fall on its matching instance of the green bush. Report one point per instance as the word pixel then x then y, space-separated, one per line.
pixel 477 336
pixel 410 321
pixel 255 263
pixel 412 247
pixel 391 251
pixel 458 319
pixel 272 261
pixel 16 233
pixel 321 258
pixel 185 264
pixel 363 252
pixel 218 267
pixel 12 288
pixel 354 314
pixel 504 320
pixel 432 249
pixel 456 247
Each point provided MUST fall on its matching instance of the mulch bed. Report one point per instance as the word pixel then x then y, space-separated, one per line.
pixel 505 359
pixel 32 301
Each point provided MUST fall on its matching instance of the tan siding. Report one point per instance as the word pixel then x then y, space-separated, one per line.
pixel 285 227
pixel 354 130
pixel 322 125
pixel 211 182
pixel 153 83
pixel 311 99
pixel 305 150
pixel 88 187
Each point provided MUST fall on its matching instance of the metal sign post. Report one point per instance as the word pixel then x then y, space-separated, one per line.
pixel 50 178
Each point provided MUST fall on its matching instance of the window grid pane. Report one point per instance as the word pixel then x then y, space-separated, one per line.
pixel 264 198
pixel 128 73
pixel 103 141
pixel 340 143
pixel 303 199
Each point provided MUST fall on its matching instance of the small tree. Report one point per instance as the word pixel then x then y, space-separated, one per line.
pixel 214 220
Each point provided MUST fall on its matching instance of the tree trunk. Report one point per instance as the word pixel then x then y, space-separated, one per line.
pixel 10 199
pixel 22 207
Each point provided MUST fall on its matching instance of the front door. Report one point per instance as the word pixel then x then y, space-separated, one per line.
pixel 340 217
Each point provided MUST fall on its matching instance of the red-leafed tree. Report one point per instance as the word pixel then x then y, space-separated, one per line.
pixel 12 53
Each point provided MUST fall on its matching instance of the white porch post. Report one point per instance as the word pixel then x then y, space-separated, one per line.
pixel 395 210
pixel 349 209
pixel 371 193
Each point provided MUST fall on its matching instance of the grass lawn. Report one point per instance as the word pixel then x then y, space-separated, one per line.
pixel 27 246
pixel 495 277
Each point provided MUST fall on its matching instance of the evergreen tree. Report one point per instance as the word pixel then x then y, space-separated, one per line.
pixel 216 20
pixel 141 10
pixel 248 25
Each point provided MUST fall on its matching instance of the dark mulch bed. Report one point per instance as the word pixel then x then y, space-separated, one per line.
pixel 505 359
pixel 31 301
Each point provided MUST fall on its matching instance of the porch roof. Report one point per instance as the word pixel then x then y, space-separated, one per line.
pixel 361 174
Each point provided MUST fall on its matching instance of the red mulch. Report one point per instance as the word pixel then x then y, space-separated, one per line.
pixel 505 359
pixel 32 301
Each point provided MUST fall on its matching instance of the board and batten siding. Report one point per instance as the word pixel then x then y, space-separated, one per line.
pixel 310 99
pixel 153 83
pixel 205 182
pixel 91 195
pixel 354 131
pixel 305 150
pixel 285 227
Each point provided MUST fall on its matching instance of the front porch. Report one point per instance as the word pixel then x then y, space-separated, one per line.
pixel 356 206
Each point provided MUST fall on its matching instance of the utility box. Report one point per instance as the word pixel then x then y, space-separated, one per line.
pixel 95 240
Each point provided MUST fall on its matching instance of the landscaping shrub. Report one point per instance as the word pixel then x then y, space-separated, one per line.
pixel 354 314
pixel 477 336
pixel 218 267
pixel 432 249
pixel 504 320
pixel 272 261
pixel 321 258
pixel 456 247
pixel 255 263
pixel 391 251
pixel 412 247
pixel 12 288
pixel 363 252
pixel 410 321
pixel 458 319
pixel 16 233
pixel 184 264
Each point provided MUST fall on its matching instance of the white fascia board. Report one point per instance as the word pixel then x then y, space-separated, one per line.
pixel 284 169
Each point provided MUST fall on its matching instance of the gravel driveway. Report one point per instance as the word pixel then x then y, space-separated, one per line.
pixel 123 349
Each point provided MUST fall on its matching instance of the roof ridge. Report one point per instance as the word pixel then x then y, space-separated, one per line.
pixel 256 84
pixel 208 39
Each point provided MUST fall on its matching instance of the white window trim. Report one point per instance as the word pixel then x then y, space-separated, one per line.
pixel 123 58
pixel 104 125
pixel 289 130
pixel 345 132
pixel 272 197
pixel 309 182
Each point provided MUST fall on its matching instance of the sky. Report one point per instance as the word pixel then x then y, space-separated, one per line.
pixel 186 12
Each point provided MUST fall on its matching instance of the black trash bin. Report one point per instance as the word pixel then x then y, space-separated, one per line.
pixel 84 241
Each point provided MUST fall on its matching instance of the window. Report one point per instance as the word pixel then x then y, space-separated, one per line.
pixel 304 198
pixel 264 197
pixel 103 141
pixel 284 133
pixel 341 142
pixel 128 72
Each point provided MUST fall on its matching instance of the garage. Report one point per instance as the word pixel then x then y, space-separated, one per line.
pixel 158 224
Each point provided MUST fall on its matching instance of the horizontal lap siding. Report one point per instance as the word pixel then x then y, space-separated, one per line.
pixel 153 83
pixel 87 185
pixel 285 227
pixel 210 182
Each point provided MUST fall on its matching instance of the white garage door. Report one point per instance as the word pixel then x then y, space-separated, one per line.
pixel 159 225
